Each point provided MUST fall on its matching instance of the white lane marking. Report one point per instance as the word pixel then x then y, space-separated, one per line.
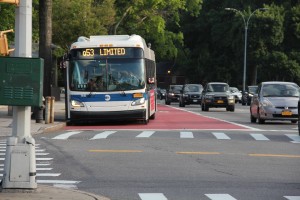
pixel 43 159
pixel 43 169
pixel 48 174
pixel 294 137
pixel 152 196
pixel 186 135
pixel 2 154
pixel 221 136
pixel 42 164
pixel 292 197
pixel 57 182
pixel 103 135
pixel 40 150
pixel 220 197
pixel 66 186
pixel 2 158
pixel 145 134
pixel 66 135
pixel 259 137
pixel 42 154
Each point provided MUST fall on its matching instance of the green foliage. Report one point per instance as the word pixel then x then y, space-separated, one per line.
pixel 204 41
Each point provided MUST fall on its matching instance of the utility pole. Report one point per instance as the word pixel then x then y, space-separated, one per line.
pixel 20 163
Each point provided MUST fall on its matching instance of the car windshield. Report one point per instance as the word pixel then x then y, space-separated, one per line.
pixel 176 87
pixel 218 88
pixel 193 88
pixel 252 90
pixel 280 90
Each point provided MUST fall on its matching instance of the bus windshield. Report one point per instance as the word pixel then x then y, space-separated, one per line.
pixel 106 75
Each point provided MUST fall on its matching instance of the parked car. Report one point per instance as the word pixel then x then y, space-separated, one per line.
pixel 275 101
pixel 248 94
pixel 173 94
pixel 237 94
pixel 190 94
pixel 161 93
pixel 218 95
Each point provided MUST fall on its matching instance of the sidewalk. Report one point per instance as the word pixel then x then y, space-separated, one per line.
pixel 36 128
pixel 43 191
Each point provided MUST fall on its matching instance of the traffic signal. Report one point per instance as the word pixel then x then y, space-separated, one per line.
pixel 10 1
pixel 4 50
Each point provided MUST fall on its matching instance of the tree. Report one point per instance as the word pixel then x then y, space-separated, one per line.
pixel 45 35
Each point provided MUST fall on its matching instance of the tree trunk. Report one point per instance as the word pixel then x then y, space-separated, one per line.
pixel 45 34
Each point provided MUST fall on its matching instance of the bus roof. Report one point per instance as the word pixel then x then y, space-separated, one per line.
pixel 114 41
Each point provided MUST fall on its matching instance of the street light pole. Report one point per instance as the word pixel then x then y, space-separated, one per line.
pixel 246 23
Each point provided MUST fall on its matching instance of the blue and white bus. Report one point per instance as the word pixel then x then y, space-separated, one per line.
pixel 110 77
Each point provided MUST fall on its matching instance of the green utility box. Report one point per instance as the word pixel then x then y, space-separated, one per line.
pixel 21 81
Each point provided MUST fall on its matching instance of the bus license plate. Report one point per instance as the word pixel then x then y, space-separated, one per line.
pixel 220 101
pixel 286 113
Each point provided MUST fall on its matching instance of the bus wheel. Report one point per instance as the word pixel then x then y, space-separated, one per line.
pixel 145 121
pixel 70 123
pixel 152 116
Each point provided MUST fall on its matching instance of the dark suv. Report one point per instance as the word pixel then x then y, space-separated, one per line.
pixel 173 93
pixel 217 94
pixel 190 94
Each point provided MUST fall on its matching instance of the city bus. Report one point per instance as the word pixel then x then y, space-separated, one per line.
pixel 110 77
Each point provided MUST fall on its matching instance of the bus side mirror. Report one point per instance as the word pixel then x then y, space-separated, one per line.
pixel 151 80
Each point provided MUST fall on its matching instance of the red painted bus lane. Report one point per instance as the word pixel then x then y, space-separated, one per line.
pixel 169 118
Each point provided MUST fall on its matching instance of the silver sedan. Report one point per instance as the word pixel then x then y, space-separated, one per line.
pixel 275 100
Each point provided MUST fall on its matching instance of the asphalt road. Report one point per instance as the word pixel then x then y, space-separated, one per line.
pixel 255 161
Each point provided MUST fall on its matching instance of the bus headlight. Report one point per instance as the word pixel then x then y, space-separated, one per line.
pixel 138 102
pixel 75 103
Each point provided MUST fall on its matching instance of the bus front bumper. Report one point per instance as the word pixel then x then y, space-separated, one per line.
pixel 107 115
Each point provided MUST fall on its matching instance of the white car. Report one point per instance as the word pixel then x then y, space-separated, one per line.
pixel 237 94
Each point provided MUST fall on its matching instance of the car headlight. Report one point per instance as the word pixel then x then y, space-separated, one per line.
pixel 266 103
pixel 75 103
pixel 138 102
pixel 172 94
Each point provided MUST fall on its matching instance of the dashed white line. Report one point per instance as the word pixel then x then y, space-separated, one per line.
pixel 186 135
pixel 259 137
pixel 145 134
pixel 221 136
pixel 103 135
pixel 66 135
pixel 152 196
pixel 220 197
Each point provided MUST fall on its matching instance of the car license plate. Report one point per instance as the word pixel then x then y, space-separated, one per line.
pixel 220 101
pixel 194 100
pixel 286 113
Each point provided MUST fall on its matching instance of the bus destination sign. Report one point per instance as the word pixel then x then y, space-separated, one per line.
pixel 90 53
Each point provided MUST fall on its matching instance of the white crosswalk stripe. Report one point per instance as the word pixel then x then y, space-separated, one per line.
pixel 220 197
pixel 221 136
pixel 145 134
pixel 103 135
pixel 259 137
pixel 152 196
pixel 295 138
pixel 292 197
pixel 66 135
pixel 186 135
